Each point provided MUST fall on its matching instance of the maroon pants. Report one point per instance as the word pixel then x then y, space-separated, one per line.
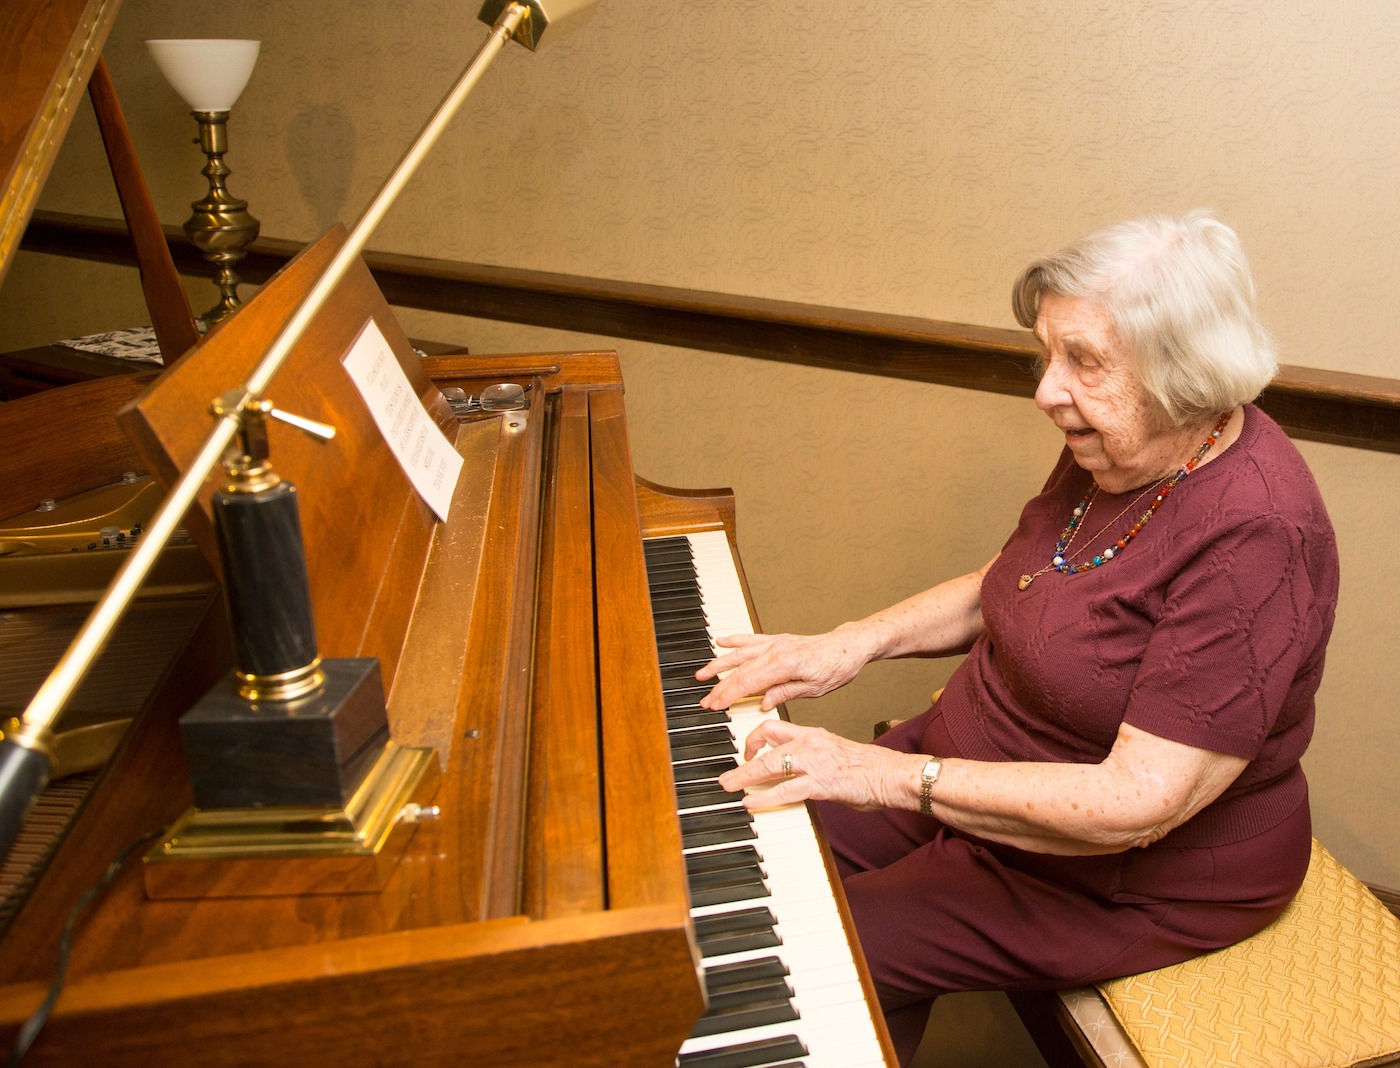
pixel 938 911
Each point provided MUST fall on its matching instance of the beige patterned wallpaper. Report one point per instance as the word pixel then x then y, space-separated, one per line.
pixel 902 157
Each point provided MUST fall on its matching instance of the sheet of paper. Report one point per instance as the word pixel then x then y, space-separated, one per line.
pixel 426 456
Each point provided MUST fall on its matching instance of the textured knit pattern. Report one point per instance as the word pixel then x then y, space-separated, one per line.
pixel 1318 988
pixel 1209 629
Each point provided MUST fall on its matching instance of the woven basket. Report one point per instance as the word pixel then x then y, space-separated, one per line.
pixel 1318 988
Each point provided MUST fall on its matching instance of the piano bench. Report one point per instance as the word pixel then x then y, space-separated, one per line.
pixel 1318 988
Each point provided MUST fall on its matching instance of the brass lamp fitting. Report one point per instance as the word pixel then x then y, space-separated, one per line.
pixel 220 227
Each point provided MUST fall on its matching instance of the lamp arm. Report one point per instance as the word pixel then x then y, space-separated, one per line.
pixel 17 791
pixel 500 33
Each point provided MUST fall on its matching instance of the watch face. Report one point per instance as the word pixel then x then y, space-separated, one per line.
pixel 930 775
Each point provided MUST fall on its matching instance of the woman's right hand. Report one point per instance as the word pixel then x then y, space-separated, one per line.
pixel 783 667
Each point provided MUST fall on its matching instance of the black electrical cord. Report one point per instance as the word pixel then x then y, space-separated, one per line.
pixel 30 1031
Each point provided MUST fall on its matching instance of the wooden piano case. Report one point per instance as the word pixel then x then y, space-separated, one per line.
pixel 542 917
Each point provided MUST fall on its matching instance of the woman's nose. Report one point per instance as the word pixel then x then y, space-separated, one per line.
pixel 1050 392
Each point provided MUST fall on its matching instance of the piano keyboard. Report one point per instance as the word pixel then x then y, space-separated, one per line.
pixel 779 972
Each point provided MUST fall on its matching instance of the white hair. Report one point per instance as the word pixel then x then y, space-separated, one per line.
pixel 1181 298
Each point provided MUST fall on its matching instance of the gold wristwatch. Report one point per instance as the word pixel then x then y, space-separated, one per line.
pixel 926 780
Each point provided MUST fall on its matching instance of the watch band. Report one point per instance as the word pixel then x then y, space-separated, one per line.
pixel 932 769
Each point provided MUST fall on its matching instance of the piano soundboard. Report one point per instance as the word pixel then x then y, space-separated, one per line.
pixel 780 972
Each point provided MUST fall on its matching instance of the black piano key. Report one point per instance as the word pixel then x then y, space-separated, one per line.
pixel 676 599
pixel 721 945
pixel 717 1021
pixel 705 794
pixel 669 621
pixel 697 717
pixel 732 995
pixel 683 671
pixel 717 878
pixel 667 543
pixel 660 561
pixel 764 1053
pixel 746 971
pixel 724 877
pixel 672 625
pixel 756 917
pixel 678 623
pixel 689 610
pixel 720 819
pixel 667 579
pixel 735 856
pixel 682 701
pixel 685 648
pixel 715 819
pixel 696 636
pixel 716 828
pixel 749 929
pixel 701 751
pixel 689 708
pixel 732 893
pixel 670 602
pixel 667 547
pixel 689 745
pixel 681 664
pixel 703 769
pixel 675 568
pixel 718 733
pixel 679 687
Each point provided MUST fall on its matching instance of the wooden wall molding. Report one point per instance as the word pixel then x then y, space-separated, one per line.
pixel 1361 411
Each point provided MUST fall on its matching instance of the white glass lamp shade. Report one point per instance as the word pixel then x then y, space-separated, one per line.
pixel 209 74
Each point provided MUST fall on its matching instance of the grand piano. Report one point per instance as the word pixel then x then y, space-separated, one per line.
pixel 573 889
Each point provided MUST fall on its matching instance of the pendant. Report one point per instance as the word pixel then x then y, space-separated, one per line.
pixel 1026 580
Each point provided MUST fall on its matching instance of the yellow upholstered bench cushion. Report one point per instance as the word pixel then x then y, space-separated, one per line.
pixel 1318 988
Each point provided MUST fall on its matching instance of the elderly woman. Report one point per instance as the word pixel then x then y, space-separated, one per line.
pixel 1109 782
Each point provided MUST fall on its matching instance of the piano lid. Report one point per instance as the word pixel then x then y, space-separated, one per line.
pixel 48 49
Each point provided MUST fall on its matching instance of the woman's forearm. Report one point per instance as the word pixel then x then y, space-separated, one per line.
pixel 940 621
pixel 1066 809
pixel 1146 787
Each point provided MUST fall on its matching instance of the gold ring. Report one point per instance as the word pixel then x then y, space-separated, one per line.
pixel 787 764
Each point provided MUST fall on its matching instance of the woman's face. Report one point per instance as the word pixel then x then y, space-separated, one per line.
pixel 1091 391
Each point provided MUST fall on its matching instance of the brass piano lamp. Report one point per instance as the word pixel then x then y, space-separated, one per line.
pixel 26 759
pixel 290 760
pixel 210 76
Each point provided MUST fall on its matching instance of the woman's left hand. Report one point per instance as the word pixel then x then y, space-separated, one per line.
pixel 822 766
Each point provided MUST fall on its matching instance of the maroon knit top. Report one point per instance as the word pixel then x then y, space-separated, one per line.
pixel 1209 629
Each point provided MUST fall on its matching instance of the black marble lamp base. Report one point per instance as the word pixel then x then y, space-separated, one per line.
pixel 308 752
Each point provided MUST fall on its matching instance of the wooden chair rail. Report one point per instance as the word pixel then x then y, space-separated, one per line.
pixel 1361 411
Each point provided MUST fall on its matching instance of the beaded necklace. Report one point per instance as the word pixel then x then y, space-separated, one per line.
pixel 1059 561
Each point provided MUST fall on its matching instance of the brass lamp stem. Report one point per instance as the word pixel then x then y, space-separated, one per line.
pixel 220 227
